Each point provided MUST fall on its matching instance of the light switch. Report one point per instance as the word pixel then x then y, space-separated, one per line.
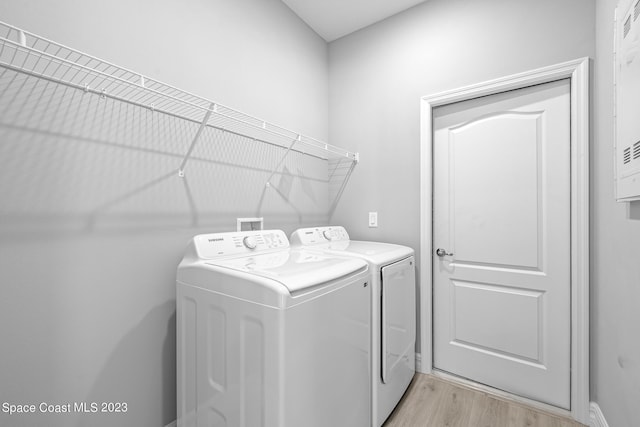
pixel 373 219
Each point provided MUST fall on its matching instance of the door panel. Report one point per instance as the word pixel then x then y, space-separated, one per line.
pixel 502 213
pixel 474 326
pixel 481 228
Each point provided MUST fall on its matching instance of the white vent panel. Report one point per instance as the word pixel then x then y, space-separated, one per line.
pixel 627 103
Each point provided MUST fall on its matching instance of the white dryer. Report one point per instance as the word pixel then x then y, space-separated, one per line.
pixel 393 310
pixel 269 336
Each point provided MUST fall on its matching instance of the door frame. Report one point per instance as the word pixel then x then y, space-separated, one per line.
pixel 578 73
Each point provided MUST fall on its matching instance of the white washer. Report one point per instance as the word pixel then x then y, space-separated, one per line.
pixel 270 336
pixel 393 312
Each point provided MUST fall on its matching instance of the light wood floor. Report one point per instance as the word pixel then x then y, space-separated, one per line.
pixel 434 402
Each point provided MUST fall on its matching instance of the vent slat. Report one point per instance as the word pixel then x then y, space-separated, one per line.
pixel 626 155
pixel 627 27
pixel 636 10
pixel 636 150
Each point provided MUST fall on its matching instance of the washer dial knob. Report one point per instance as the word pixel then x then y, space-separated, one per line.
pixel 250 242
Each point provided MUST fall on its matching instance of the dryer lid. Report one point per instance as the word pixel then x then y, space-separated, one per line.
pixel 335 240
pixel 374 252
pixel 370 249
pixel 296 269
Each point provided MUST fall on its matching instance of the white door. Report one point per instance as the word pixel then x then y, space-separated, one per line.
pixel 501 303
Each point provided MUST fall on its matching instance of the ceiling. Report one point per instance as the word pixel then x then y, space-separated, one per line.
pixel 332 19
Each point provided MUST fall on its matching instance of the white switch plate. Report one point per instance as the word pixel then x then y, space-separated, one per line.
pixel 373 219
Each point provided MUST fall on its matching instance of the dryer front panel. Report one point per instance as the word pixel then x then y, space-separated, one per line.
pixel 398 321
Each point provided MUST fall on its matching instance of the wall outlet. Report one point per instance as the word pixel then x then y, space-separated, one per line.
pixel 373 219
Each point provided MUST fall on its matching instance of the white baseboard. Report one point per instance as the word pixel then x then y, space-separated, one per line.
pixel 173 423
pixel 418 362
pixel 596 417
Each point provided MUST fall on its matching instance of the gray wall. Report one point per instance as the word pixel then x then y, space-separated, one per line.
pixel 615 255
pixel 93 217
pixel 378 75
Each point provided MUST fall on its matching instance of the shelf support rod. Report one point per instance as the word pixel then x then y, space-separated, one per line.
pixel 195 139
pixel 284 156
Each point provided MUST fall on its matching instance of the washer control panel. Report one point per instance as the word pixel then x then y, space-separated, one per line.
pixel 215 245
pixel 315 235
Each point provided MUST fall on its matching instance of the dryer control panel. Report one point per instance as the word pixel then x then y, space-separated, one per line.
pixel 315 235
pixel 209 246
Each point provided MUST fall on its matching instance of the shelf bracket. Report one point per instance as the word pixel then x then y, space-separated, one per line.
pixel 284 156
pixel 195 139
pixel 22 38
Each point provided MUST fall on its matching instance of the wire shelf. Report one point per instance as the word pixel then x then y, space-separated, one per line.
pixel 30 54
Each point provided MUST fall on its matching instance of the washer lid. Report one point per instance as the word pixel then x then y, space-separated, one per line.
pixel 295 269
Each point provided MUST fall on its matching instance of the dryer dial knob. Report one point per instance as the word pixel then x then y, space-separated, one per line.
pixel 250 242
pixel 329 234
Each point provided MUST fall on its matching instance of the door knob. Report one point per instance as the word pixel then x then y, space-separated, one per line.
pixel 441 252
